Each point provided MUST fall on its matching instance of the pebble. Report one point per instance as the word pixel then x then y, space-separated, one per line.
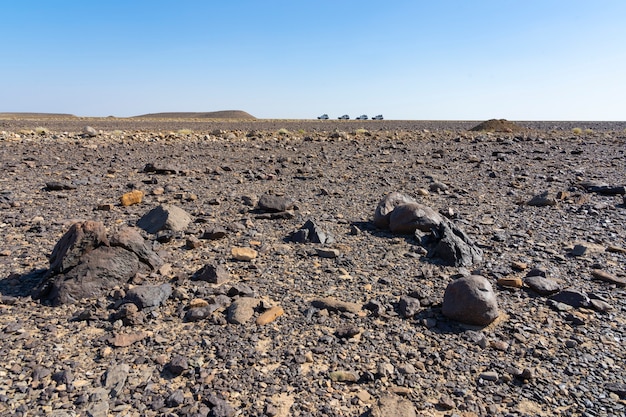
pixel 343 376
pixel 328 253
pixel 608 277
pixel 489 376
pixel 131 198
pixel 270 315
pixel 243 254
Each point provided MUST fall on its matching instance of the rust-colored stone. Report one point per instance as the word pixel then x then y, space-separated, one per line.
pixel 133 197
pixel 270 315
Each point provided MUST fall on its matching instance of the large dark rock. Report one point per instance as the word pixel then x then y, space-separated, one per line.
pixel 470 300
pixel 164 217
pixel 453 247
pixel 81 238
pixel 407 218
pixel 387 205
pixel 98 271
pixel 86 263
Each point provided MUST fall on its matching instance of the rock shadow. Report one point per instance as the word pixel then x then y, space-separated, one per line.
pixel 22 285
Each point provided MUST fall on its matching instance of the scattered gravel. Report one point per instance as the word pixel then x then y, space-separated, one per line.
pixel 238 318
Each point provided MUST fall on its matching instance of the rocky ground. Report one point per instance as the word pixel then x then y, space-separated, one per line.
pixel 361 330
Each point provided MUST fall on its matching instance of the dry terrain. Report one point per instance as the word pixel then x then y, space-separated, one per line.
pixel 543 200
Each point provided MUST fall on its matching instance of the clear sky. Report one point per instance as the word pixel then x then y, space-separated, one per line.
pixel 406 59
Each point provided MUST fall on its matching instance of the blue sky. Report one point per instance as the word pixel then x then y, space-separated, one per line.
pixel 428 60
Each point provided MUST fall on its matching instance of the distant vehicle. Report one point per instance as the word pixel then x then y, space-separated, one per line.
pixel 379 117
pixel 323 117
pixel 362 117
pixel 344 117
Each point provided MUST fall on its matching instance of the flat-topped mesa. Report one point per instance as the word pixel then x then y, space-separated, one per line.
pixel 222 114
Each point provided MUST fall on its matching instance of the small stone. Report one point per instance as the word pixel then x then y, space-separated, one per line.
pixel 541 285
pixel 192 242
pixel 274 204
pixel 437 187
pixel 489 376
pixel 198 303
pixel 127 339
pixel 177 365
pixel 499 345
pixel 578 250
pixel 347 332
pixel 242 310
pixel 572 298
pixel 608 277
pixel 270 315
pixel 364 396
pixel 330 303
pixel 89 132
pixel 116 378
pixel 145 296
pixel 519 266
pixel 243 254
pixel 175 399
pixel 600 305
pixel 328 253
pixel 616 249
pixel 130 198
pixel 617 388
pixel 105 207
pixel 214 233
pixel 446 403
pixel 537 272
pixel 512 282
pixel 213 273
pixel 542 200
pixel 408 306
pixel 343 376
pixel 164 217
pixel 220 408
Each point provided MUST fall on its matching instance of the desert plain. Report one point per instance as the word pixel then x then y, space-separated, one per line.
pixel 347 325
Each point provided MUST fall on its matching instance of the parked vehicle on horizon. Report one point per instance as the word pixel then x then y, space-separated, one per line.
pixel 379 117
pixel 362 117
pixel 344 117
pixel 323 117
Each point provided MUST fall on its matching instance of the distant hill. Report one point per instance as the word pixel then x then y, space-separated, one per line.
pixel 224 114
pixel 37 115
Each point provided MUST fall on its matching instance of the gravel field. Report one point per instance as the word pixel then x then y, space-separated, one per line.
pixel 349 325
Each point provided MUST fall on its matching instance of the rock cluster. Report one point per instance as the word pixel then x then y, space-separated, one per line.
pixel 446 242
